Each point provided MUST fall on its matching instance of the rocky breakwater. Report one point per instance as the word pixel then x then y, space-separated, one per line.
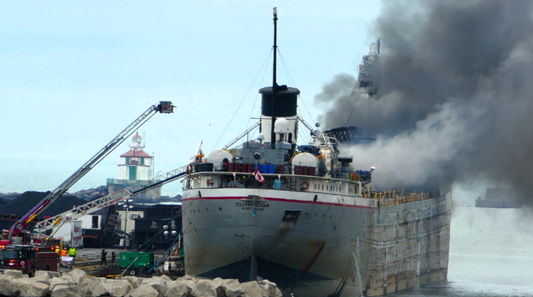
pixel 77 283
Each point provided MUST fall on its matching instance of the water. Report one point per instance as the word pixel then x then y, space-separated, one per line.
pixel 491 254
pixel 21 175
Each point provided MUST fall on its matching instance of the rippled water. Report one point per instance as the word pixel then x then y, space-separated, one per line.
pixel 491 254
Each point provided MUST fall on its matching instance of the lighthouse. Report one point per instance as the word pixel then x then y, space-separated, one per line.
pixel 135 168
pixel 136 164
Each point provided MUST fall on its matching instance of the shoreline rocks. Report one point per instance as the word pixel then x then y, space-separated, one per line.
pixel 77 283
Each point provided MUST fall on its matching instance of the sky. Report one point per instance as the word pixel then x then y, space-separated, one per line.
pixel 73 75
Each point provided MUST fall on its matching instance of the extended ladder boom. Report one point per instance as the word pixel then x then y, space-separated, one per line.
pixel 97 204
pixel 172 173
pixel 86 208
pixel 163 107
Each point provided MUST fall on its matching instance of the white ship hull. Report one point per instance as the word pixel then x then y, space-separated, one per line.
pixel 331 245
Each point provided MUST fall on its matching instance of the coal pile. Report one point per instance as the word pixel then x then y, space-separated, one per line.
pixel 5 198
pixel 28 200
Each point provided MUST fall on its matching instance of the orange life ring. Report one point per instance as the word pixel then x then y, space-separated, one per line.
pixel 305 185
pixel 208 182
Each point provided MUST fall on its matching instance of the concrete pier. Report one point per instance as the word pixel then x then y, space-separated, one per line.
pixel 409 245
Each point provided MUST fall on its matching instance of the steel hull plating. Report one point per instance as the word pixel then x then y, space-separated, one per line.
pixel 315 244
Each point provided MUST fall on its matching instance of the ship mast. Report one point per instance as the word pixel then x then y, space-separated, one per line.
pixel 274 83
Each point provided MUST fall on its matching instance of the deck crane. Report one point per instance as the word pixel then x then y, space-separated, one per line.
pixel 22 224
pixel 242 135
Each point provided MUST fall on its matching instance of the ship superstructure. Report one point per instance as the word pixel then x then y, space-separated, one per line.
pixel 304 217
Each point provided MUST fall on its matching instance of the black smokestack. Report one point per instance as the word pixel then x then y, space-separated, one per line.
pixel 455 95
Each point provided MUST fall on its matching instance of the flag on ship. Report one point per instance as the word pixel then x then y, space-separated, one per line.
pixel 258 175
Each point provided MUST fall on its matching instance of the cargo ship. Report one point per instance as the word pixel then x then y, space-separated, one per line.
pixel 499 198
pixel 303 216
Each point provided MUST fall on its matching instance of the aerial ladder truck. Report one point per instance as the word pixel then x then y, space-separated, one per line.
pixel 18 237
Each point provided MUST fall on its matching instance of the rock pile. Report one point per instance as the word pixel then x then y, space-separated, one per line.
pixel 76 283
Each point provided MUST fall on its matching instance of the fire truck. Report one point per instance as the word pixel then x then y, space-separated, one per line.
pixel 22 255
pixel 28 258
pixel 16 248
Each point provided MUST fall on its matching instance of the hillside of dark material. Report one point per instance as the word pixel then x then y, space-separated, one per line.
pixel 8 196
pixel 28 200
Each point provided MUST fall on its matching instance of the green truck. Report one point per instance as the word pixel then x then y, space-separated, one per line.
pixel 136 262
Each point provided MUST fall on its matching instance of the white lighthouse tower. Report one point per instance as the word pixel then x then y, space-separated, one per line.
pixel 136 164
pixel 135 167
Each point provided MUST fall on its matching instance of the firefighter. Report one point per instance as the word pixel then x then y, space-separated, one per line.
pixel 72 253
pixel 58 252
pixel 104 256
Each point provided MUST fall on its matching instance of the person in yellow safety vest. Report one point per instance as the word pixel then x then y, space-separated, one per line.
pixel 58 252
pixel 72 253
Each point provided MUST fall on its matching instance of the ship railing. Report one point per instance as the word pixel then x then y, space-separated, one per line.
pixel 291 181
pixel 294 170
pixel 396 197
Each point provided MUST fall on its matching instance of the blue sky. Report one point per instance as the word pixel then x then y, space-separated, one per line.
pixel 74 74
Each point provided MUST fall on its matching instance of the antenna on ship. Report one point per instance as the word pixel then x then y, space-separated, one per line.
pixel 274 83
pixel 279 102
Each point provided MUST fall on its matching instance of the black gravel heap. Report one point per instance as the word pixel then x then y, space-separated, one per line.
pixel 28 200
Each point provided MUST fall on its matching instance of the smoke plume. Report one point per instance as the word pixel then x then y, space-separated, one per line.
pixel 455 96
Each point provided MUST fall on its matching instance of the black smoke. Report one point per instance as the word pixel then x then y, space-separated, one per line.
pixel 455 100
